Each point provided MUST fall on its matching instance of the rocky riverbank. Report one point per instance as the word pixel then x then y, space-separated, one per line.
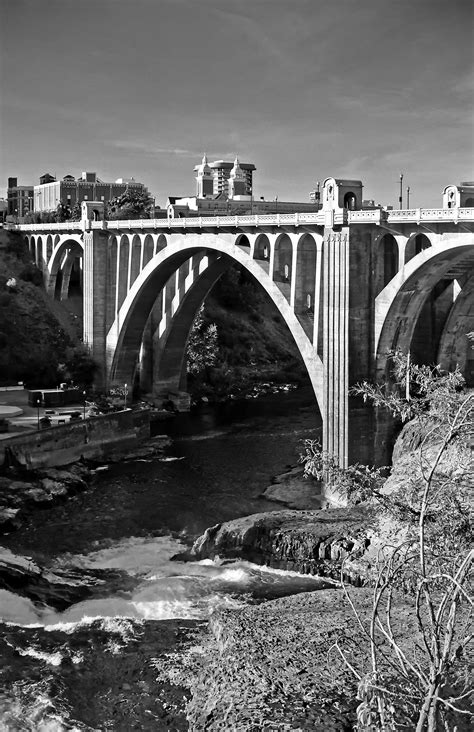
pixel 277 665
pixel 23 491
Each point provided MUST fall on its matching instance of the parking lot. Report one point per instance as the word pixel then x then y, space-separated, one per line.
pixel 30 416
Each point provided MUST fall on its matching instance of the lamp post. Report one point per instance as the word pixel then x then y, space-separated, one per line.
pixel 84 405
pixel 400 197
pixel 408 196
pixel 38 402
pixel 125 392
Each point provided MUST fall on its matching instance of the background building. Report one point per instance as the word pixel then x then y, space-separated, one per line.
pixel 225 189
pixel 19 199
pixel 220 173
pixel 69 191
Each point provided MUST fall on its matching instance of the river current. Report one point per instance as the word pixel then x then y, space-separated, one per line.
pixel 87 654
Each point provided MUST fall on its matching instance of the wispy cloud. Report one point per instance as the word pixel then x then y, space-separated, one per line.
pixel 141 146
pixel 149 149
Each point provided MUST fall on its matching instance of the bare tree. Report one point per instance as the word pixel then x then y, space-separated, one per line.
pixel 421 682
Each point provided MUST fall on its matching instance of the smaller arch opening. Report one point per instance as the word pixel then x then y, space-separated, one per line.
pixel 262 248
pixel 283 259
pixel 415 245
pixel 350 201
pixel 160 243
pixel 243 242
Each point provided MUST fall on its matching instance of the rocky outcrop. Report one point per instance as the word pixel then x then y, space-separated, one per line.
pixel 21 491
pixel 311 542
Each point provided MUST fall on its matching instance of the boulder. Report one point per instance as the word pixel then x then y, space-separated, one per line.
pixel 53 487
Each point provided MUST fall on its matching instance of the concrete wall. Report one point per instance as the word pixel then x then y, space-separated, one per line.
pixel 96 437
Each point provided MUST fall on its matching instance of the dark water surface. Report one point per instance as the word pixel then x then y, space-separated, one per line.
pixel 93 664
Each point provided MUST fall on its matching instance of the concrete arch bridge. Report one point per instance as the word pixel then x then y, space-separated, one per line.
pixel 349 283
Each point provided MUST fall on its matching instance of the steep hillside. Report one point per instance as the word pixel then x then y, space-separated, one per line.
pixel 36 333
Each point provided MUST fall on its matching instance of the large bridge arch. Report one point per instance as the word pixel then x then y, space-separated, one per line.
pixel 125 336
pixel 398 306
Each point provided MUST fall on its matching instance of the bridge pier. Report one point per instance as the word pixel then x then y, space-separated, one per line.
pixel 335 345
pixel 96 296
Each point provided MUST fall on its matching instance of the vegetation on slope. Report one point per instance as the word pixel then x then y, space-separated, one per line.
pixel 39 341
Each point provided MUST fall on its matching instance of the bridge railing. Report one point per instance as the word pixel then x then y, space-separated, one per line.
pixel 76 225
pixel 373 216
pixel 363 217
pixel 430 214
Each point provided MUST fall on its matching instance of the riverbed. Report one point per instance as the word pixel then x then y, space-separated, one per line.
pixel 91 662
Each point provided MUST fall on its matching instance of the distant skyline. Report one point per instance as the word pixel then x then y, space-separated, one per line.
pixel 304 89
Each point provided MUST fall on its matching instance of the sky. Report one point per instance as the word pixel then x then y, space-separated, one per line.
pixel 304 89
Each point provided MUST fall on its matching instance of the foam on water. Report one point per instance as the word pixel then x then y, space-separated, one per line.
pixel 29 708
pixel 54 659
pixel 135 555
pixel 19 610
pixel 165 589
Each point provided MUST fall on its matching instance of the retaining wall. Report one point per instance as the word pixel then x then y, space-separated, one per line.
pixel 95 437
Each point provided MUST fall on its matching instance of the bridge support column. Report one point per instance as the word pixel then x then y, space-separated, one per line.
pixel 336 348
pixel 95 293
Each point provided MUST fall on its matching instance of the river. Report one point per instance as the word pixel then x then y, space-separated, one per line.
pixel 85 653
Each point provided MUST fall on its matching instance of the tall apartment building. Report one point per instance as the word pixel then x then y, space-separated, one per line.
pixel 220 173
pixel 19 199
pixel 69 191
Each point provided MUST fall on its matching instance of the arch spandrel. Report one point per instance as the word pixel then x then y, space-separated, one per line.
pixel 124 336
